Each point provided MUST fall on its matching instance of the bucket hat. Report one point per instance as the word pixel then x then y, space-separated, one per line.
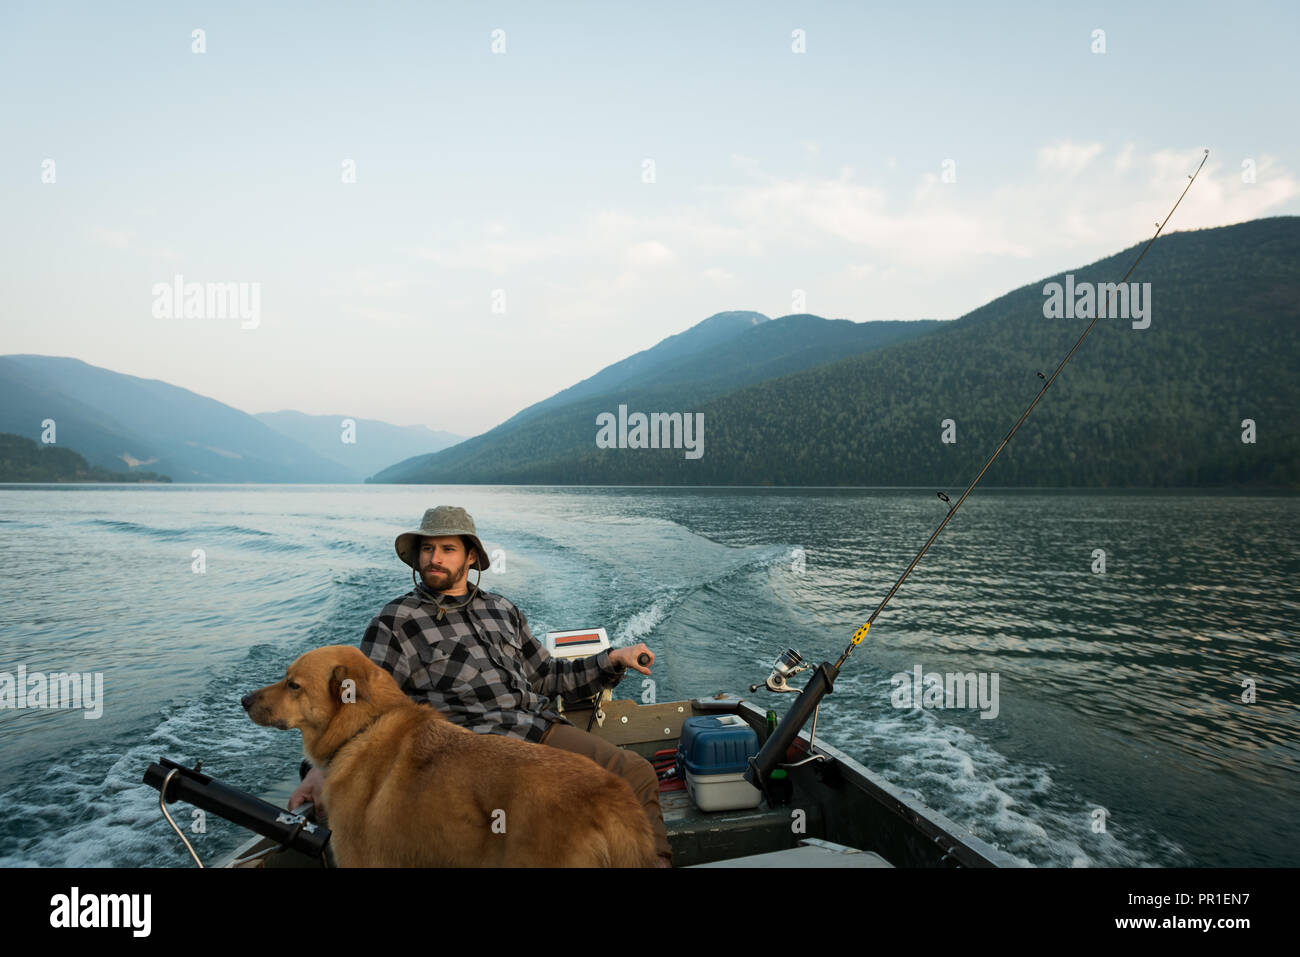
pixel 437 522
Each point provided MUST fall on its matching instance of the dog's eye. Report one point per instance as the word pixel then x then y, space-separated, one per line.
pixel 292 685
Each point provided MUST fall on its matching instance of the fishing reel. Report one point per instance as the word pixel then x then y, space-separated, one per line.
pixel 788 664
pixel 808 704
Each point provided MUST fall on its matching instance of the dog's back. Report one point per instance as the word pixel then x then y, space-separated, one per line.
pixel 413 789
pixel 623 837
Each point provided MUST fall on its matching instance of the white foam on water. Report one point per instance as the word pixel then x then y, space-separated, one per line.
pixel 641 624
pixel 1017 808
pixel 94 811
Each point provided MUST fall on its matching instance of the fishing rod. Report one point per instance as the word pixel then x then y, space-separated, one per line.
pixel 821 684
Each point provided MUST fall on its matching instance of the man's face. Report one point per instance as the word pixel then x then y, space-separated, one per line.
pixel 444 564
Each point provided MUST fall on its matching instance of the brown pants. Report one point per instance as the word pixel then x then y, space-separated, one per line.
pixel 628 765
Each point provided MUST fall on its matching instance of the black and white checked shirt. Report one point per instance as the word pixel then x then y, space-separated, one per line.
pixel 480 665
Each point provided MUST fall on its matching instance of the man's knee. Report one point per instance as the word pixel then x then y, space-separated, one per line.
pixel 628 765
pixel 638 772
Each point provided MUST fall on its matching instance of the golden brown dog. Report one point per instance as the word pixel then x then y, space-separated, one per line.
pixel 404 787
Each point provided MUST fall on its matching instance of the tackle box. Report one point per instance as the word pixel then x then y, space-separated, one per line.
pixel 712 757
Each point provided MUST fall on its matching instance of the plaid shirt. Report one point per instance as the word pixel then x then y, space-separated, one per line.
pixel 480 665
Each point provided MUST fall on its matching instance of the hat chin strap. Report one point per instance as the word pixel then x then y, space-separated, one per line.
pixel 443 609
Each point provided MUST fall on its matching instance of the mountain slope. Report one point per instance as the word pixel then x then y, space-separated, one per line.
pixel 373 446
pixel 683 346
pixel 115 420
pixel 550 429
pixel 22 460
pixel 1161 406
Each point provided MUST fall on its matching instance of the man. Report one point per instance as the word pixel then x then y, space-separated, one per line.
pixel 472 656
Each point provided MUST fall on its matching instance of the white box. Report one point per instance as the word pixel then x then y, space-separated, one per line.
pixel 722 792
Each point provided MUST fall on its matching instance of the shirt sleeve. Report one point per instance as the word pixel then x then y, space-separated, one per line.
pixel 381 645
pixel 551 676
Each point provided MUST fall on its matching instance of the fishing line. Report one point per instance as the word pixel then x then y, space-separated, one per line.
pixel 862 632
pixel 774 749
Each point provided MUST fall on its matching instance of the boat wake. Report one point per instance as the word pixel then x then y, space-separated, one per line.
pixel 94 811
pixel 1016 807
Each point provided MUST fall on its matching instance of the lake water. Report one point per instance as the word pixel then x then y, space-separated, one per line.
pixel 1119 692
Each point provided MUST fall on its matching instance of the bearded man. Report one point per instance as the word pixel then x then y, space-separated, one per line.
pixel 471 656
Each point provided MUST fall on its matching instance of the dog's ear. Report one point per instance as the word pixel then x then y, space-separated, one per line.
pixel 348 685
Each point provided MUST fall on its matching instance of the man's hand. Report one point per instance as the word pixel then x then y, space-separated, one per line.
pixel 309 790
pixel 628 657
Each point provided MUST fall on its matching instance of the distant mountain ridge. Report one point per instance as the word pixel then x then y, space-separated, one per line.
pixel 122 423
pixel 687 345
pixel 721 353
pixel 22 460
pixel 1163 406
pixel 1208 394
pixel 362 446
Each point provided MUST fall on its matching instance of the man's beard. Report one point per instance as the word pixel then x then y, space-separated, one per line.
pixel 441 579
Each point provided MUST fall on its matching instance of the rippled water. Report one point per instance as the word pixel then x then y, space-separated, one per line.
pixel 1120 691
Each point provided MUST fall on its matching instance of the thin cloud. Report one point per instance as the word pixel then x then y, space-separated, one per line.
pixel 1068 158
pixel 926 248
pixel 649 254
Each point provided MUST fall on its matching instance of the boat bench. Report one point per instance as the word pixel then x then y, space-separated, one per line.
pixel 700 837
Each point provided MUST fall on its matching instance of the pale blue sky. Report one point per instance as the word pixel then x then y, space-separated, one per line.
pixel 522 171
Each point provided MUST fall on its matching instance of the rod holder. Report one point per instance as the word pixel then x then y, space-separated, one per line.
pixel 778 742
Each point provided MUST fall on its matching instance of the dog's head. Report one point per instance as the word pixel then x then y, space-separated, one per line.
pixel 329 694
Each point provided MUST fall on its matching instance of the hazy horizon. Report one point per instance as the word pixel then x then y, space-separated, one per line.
pixel 508 200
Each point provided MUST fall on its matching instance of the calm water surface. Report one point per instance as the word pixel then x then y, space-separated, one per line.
pixel 1120 693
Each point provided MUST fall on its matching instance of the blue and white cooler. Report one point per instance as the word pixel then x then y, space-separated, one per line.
pixel 712 756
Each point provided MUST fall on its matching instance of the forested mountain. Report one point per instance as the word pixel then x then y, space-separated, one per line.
pixel 716 356
pixel 22 460
pixel 119 421
pixel 1136 407
pixel 362 446
pixel 683 346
